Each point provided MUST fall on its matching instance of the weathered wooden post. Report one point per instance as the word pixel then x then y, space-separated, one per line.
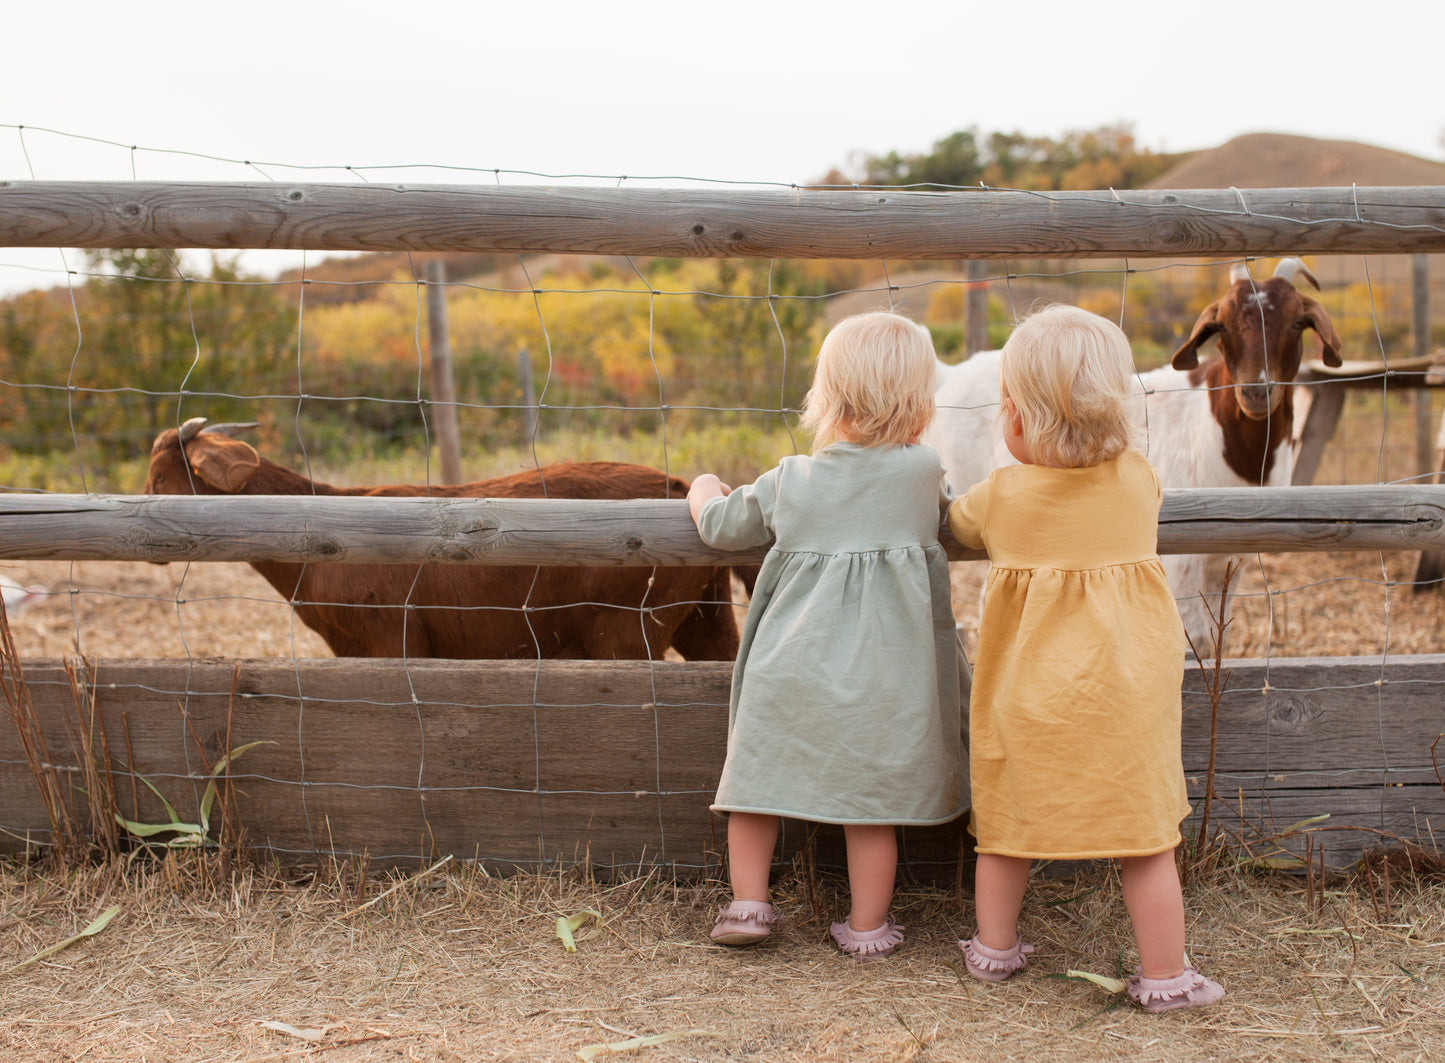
pixel 1424 422
pixel 975 308
pixel 1431 565
pixel 443 387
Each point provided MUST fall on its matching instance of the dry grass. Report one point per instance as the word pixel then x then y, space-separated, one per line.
pixel 456 965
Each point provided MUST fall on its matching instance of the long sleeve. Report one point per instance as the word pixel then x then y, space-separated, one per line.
pixel 966 516
pixel 743 519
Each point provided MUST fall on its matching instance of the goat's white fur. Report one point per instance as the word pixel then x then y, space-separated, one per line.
pixel 1175 430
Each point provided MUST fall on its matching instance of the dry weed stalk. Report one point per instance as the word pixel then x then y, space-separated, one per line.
pixel 229 841
pixel 92 754
pixel 65 836
pixel 1215 681
pixel 805 864
pixel 1402 861
pixel 1312 901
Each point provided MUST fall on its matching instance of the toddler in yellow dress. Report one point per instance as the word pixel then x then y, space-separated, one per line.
pixel 1075 713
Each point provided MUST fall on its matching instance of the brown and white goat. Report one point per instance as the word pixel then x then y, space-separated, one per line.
pixel 1225 422
pixel 478 611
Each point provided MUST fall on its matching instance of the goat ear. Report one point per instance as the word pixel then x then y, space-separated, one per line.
pixel 225 464
pixel 1206 325
pixel 1314 315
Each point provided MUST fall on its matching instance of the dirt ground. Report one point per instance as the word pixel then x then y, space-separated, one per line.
pixel 452 965
pixel 1288 605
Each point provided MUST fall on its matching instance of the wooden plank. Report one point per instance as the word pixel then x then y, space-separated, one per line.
pixel 686 223
pixel 518 761
pixel 1431 563
pixel 1323 403
pixel 540 531
pixel 1349 738
pixel 1416 372
pixel 1252 825
pixel 522 764
pixel 1430 568
pixel 1321 721
pixel 1299 519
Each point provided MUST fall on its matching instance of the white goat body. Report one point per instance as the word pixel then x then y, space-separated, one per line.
pixel 1223 423
pixel 1175 428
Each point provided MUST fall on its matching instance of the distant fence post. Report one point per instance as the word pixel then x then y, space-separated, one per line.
pixel 528 394
pixel 975 313
pixel 1424 426
pixel 443 387
pixel 1429 451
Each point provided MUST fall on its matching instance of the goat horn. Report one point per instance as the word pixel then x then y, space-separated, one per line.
pixel 1289 268
pixel 1238 272
pixel 189 430
pixel 233 428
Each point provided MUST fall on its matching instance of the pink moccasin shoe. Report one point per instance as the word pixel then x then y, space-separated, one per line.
pixel 868 945
pixel 994 965
pixel 744 922
pixel 1190 990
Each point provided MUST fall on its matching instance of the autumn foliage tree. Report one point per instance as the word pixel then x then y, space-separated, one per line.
pixel 1106 157
pixel 142 343
pixel 337 358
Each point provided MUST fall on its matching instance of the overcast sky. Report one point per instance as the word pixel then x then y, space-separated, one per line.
pixel 775 91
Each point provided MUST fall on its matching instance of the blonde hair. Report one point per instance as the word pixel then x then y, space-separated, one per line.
pixel 1068 373
pixel 874 379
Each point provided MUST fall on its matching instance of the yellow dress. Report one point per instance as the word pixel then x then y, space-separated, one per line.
pixel 1074 723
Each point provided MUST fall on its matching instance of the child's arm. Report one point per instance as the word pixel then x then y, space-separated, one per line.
pixel 703 490
pixel 967 516
pixel 740 521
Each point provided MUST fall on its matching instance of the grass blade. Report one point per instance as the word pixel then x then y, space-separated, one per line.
pixel 633 1044
pixel 98 924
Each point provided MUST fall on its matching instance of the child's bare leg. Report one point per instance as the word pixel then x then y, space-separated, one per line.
pixel 1156 905
pixel 998 895
pixel 872 865
pixel 751 839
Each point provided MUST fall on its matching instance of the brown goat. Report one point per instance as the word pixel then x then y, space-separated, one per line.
pixel 1250 384
pixel 481 611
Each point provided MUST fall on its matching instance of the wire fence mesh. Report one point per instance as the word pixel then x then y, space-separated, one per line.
pixel 684 365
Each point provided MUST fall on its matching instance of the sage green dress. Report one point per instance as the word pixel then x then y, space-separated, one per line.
pixel 845 704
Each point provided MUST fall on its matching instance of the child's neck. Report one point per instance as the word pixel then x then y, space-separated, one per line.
pixel 844 434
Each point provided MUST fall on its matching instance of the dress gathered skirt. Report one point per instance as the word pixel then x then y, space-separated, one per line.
pixel 845 704
pixel 1074 719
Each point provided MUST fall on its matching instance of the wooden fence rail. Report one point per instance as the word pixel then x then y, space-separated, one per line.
pixel 381 530
pixel 528 763
pixel 792 223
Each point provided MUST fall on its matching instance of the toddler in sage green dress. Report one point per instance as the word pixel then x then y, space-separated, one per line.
pixel 845 701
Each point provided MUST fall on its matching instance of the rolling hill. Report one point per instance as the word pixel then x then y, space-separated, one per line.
pixel 1282 160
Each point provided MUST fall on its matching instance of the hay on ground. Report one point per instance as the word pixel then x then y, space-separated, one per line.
pixel 456 965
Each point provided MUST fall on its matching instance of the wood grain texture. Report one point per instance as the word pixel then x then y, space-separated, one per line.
pixel 521 764
pixel 637 532
pixel 677 223
pixel 1323 404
